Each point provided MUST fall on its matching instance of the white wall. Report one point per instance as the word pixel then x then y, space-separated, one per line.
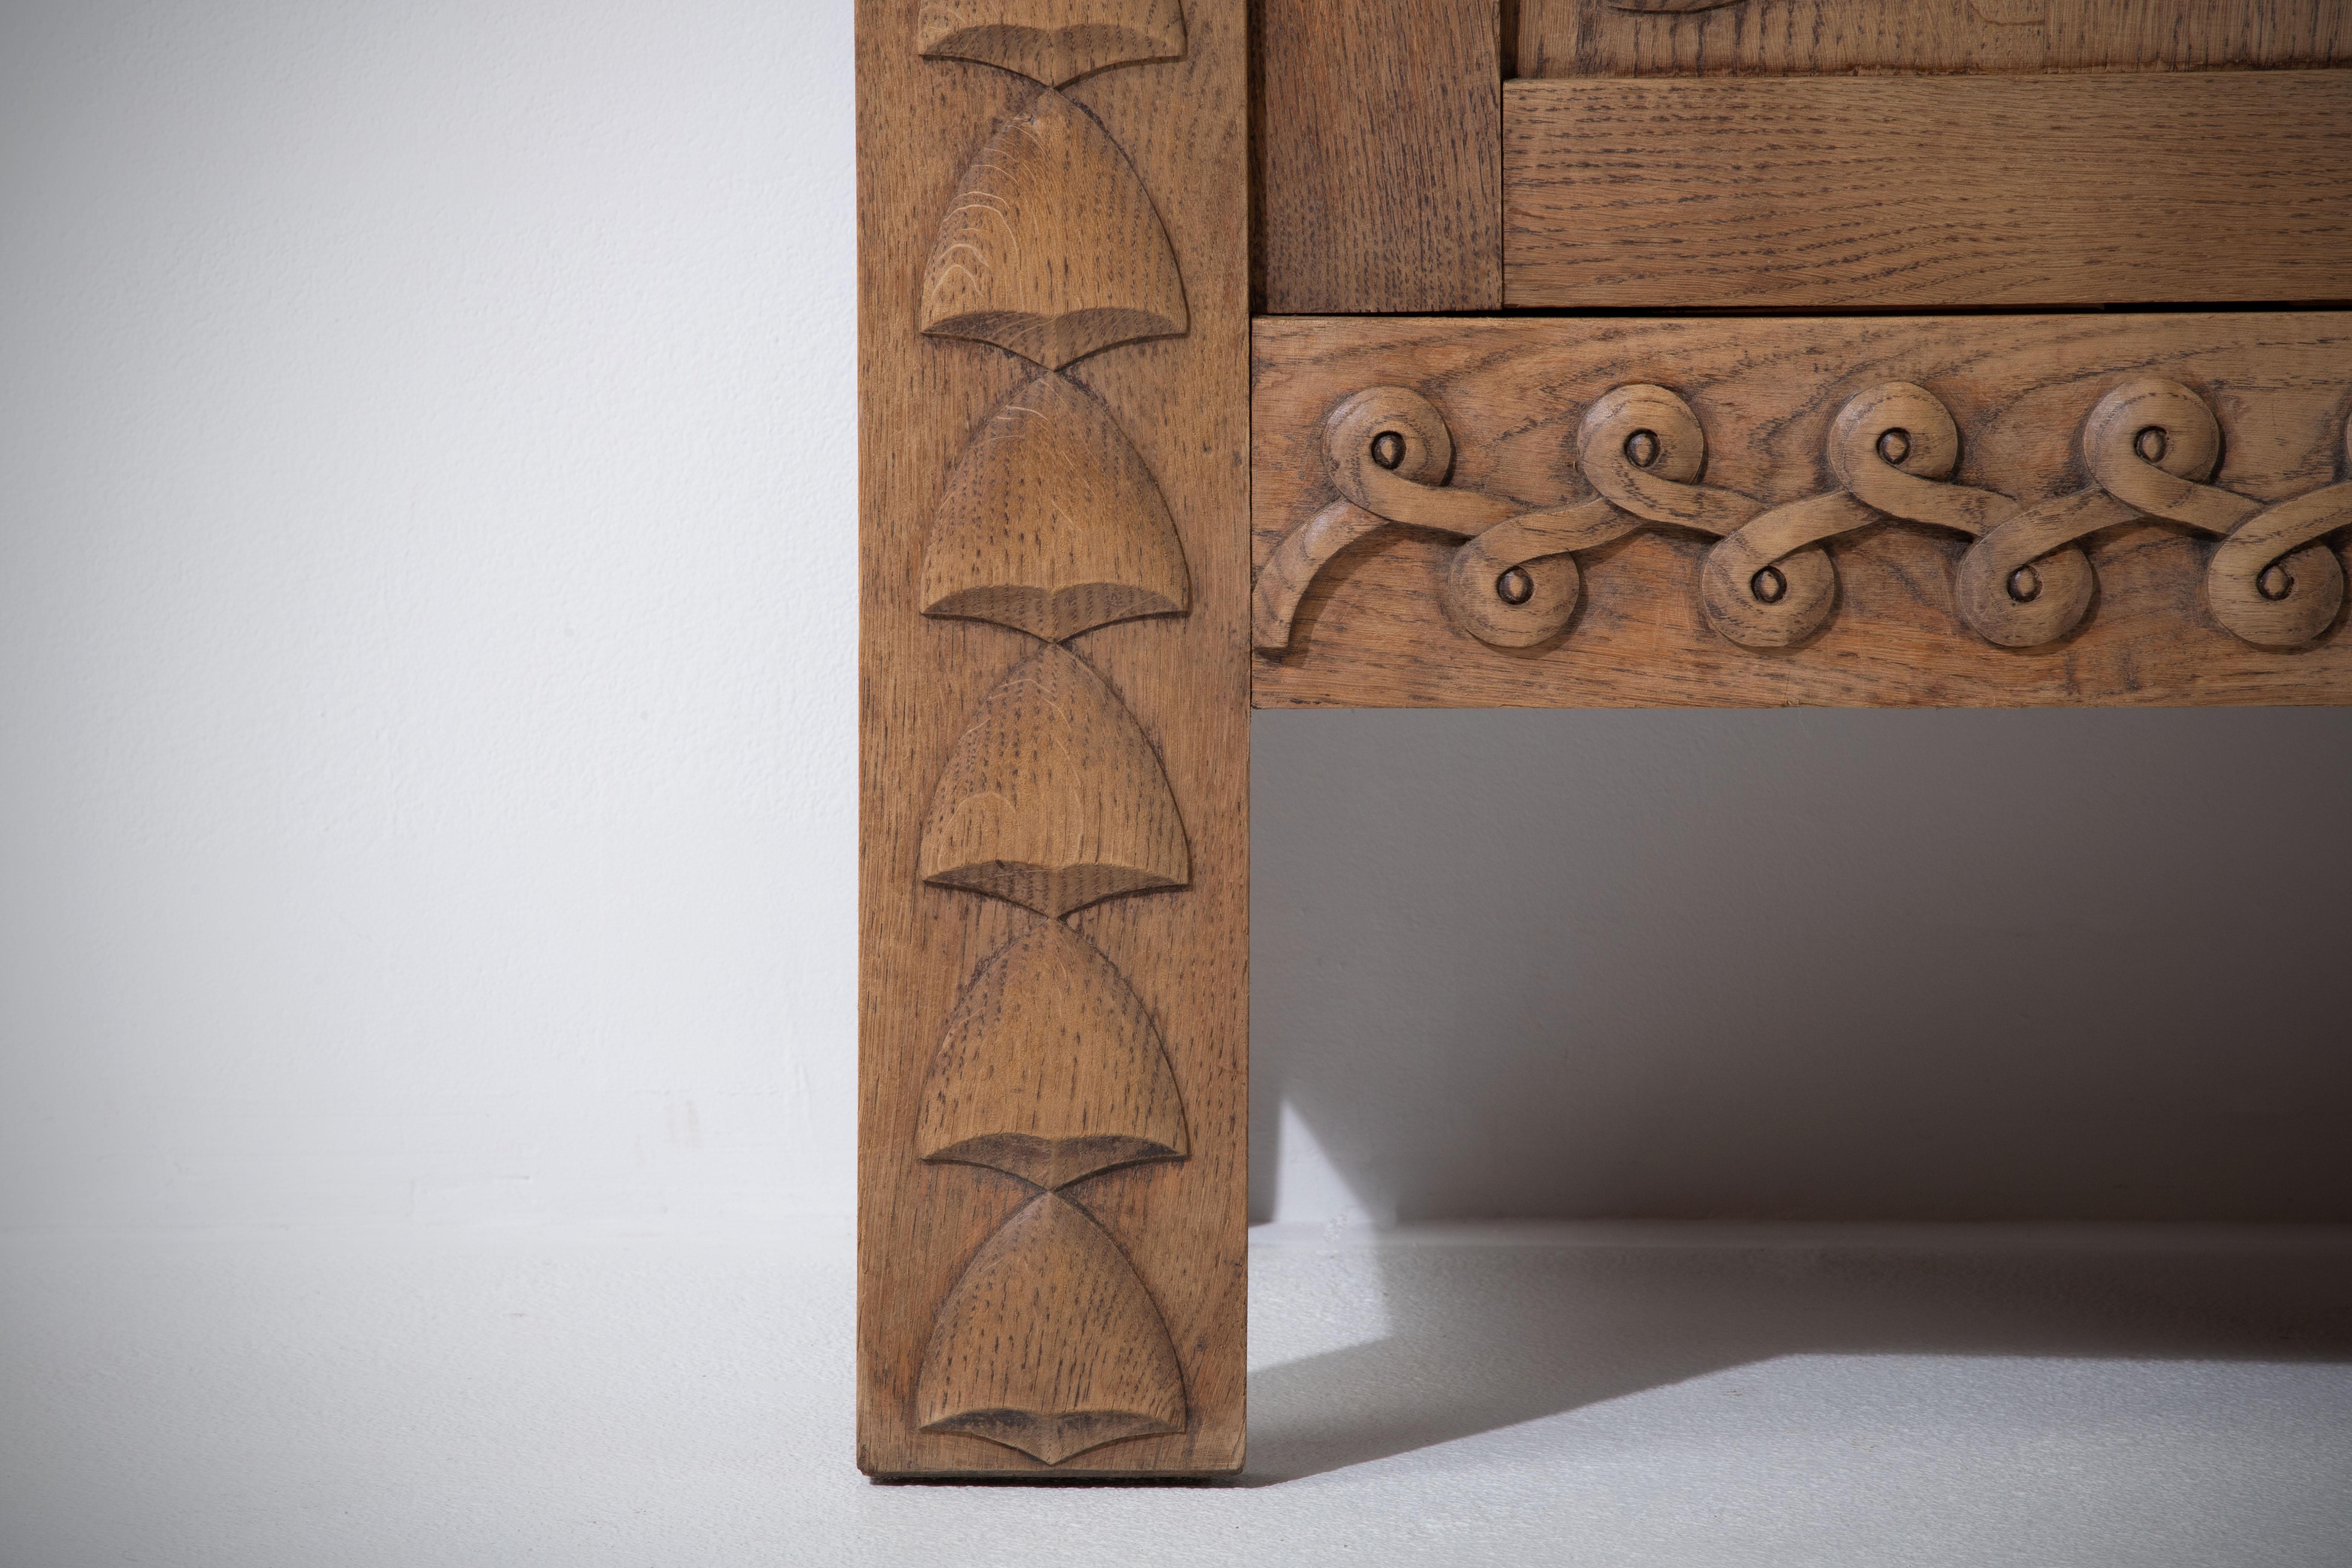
pixel 427 611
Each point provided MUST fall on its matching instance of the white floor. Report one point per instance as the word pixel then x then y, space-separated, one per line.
pixel 1607 1396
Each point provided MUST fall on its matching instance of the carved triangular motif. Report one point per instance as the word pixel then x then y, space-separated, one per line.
pixel 1053 798
pixel 1052 523
pixel 1051 1069
pixel 1052 41
pixel 1050 1343
pixel 1051 248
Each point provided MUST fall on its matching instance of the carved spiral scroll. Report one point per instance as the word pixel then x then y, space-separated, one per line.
pixel 1644 449
pixel 2024 581
pixel 2269 581
pixel 1891 447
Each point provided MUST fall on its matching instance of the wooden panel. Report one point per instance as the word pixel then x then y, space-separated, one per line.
pixel 1380 181
pixel 1786 37
pixel 1775 511
pixel 1053 767
pixel 1930 192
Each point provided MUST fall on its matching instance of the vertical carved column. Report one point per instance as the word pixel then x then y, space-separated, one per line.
pixel 1054 430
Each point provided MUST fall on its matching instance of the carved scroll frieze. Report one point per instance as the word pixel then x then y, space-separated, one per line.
pixel 1051 248
pixel 1052 523
pixel 1051 1069
pixel 1050 1343
pixel 1052 41
pixel 2150 445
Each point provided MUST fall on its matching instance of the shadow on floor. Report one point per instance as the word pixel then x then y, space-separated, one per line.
pixel 1486 1333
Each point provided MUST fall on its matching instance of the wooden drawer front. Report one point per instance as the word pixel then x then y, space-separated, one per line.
pixel 1930 192
pixel 1910 511
pixel 1668 37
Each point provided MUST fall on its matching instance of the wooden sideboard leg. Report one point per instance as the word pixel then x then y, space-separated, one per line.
pixel 1052 277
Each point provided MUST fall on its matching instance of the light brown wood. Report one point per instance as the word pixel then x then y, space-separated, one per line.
pixel 1052 41
pixel 1788 37
pixel 1051 249
pixel 1052 523
pixel 1379 169
pixel 1918 462
pixel 1050 1344
pixel 1930 192
pixel 1053 798
pixel 1014 1035
pixel 1051 1068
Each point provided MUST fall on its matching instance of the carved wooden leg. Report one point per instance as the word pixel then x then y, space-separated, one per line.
pixel 1053 297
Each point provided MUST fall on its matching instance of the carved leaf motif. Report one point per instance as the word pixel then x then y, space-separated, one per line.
pixel 1050 1343
pixel 1052 523
pixel 1051 248
pixel 1051 1069
pixel 1053 798
pixel 1052 41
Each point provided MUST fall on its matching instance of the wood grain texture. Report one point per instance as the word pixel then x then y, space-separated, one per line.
pixel 1767 395
pixel 1052 523
pixel 1052 41
pixel 1050 1344
pixel 1378 168
pixel 1051 248
pixel 1791 37
pixel 1930 192
pixel 1053 798
pixel 1052 1069
pixel 1183 402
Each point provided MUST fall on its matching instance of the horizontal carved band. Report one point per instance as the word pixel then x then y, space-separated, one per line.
pixel 2150 445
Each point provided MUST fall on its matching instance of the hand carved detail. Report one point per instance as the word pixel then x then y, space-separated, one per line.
pixel 2151 443
pixel 1051 1069
pixel 1052 41
pixel 1049 1343
pixel 1051 248
pixel 1052 524
pixel 1767 582
pixel 1052 799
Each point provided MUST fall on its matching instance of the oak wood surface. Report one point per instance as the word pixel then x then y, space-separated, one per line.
pixel 1051 1068
pixel 1050 249
pixel 1052 41
pixel 1766 397
pixel 1051 523
pixel 1378 156
pixel 1095 1328
pixel 1053 798
pixel 1786 38
pixel 1050 1344
pixel 1930 192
